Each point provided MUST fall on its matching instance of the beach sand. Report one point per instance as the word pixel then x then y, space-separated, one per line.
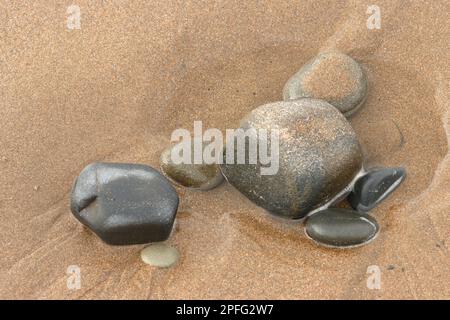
pixel 115 89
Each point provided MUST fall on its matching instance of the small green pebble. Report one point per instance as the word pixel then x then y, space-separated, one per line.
pixel 160 255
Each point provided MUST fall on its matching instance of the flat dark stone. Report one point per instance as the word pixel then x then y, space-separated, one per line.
pixel 374 187
pixel 124 204
pixel 341 228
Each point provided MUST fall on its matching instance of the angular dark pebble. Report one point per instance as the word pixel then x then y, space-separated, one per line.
pixel 374 187
pixel 341 228
pixel 123 203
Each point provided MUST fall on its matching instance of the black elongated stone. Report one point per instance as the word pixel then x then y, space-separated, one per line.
pixel 374 187
pixel 341 228
pixel 123 203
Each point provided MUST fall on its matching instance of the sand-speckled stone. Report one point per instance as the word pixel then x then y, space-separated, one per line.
pixel 319 155
pixel 197 176
pixel 332 76
pixel 341 228
pixel 160 255
pixel 374 187
pixel 124 203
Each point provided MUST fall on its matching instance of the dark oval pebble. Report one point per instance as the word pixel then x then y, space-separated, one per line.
pixel 341 228
pixel 124 204
pixel 374 187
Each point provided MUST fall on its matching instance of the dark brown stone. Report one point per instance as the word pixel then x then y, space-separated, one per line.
pixel 319 155
pixel 197 176
pixel 332 76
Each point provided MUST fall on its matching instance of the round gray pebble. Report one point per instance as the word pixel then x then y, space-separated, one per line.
pixel 332 76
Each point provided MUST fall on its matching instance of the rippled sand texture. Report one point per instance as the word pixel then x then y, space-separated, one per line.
pixel 115 90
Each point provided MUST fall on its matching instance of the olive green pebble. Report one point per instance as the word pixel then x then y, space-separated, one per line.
pixel 331 76
pixel 160 255
pixel 196 176
pixel 341 228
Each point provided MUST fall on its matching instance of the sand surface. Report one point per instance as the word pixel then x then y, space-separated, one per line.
pixel 115 90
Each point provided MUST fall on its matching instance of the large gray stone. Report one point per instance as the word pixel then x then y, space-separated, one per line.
pixel 123 203
pixel 319 155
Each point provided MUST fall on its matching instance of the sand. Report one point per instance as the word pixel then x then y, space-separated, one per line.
pixel 114 91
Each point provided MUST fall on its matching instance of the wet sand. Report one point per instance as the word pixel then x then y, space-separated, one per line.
pixel 115 90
